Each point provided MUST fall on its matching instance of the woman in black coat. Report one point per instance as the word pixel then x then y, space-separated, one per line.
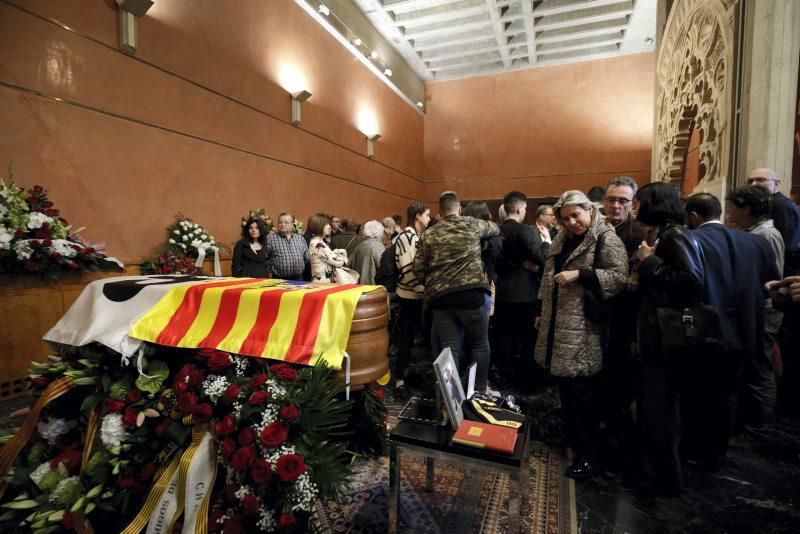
pixel 670 276
pixel 250 253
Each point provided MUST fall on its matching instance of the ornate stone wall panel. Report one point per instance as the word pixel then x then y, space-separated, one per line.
pixel 693 89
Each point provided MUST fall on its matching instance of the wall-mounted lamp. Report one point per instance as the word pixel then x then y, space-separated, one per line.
pixel 297 99
pixel 371 144
pixel 129 10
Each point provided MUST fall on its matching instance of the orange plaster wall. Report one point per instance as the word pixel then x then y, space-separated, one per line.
pixel 196 121
pixel 540 131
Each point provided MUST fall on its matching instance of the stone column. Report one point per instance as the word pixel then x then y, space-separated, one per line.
pixel 770 68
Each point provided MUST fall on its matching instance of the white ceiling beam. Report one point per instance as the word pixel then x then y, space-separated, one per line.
pixel 440 13
pixel 455 52
pixel 459 39
pixel 556 7
pixel 587 30
pixel 582 46
pixel 576 18
pixel 527 21
pixel 478 62
pixel 608 50
pixel 431 32
pixel 498 28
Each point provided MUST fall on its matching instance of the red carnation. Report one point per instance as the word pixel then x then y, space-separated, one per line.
pixel 286 522
pixel 258 380
pixel 247 436
pixel 70 459
pixel 134 395
pixel 273 434
pixel 284 372
pixel 289 413
pixel 162 427
pixel 242 458
pixel 181 387
pixel 289 467
pixel 114 405
pixel 202 412
pixel 258 398
pixel 250 504
pixel 227 448
pixel 224 426
pixel 261 472
pixel 233 525
pixel 129 418
pixel 231 393
pixel 219 360
pixel 186 402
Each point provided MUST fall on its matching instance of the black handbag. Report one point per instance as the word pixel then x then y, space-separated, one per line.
pixel 695 327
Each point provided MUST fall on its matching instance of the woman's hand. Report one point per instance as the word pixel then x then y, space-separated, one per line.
pixel 537 322
pixel 645 251
pixel 566 277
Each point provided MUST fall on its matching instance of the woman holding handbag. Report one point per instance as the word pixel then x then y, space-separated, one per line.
pixel 324 261
pixel 587 258
pixel 670 275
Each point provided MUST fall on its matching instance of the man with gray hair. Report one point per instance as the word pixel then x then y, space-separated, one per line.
pixel 784 213
pixel 287 252
pixel 448 262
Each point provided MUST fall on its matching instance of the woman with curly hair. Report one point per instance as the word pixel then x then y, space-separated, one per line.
pixel 249 253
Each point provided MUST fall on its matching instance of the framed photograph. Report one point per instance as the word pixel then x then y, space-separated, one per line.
pixel 450 386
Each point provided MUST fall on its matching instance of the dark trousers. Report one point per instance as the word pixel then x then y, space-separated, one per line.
pixel 660 426
pixel 620 386
pixel 514 338
pixel 409 321
pixel 757 390
pixel 448 326
pixel 581 417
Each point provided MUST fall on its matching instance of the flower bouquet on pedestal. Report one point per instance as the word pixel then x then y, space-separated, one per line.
pixel 232 443
pixel 34 238
pixel 187 246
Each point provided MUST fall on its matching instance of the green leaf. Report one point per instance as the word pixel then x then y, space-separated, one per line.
pixel 91 401
pixel 26 504
pixel 159 371
pixel 89 507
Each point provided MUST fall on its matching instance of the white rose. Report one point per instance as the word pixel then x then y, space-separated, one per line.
pixel 186 238
pixel 112 431
pixel 36 220
pixel 176 232
pixel 171 241
pixel 183 246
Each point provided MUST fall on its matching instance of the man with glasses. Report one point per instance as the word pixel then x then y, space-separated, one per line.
pixel 545 223
pixel 336 224
pixel 287 252
pixel 784 213
pixel 620 369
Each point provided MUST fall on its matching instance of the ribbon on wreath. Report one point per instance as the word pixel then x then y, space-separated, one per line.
pixel 82 525
pixel 201 256
pixel 13 446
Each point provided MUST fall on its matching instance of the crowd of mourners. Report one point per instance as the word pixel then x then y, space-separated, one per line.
pixel 666 329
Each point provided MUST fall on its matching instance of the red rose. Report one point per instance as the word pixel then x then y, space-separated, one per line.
pixel 68 520
pixel 35 244
pixel 224 426
pixel 247 436
pixel 114 405
pixel 181 387
pixel 202 412
pixel 126 479
pixel 250 504
pixel 48 242
pixel 233 525
pixel 219 360
pixel 289 413
pixel 186 402
pixel 204 354
pixel 30 266
pixel 284 372
pixel 242 458
pixel 195 377
pixel 273 434
pixel 129 418
pixel 162 427
pixel 289 467
pixel 261 472
pixel 74 266
pixel 183 372
pixel 231 393
pixel 40 381
pixel 258 380
pixel 379 393
pixel 38 189
pixel 287 522
pixel 134 395
pixel 258 398
pixel 227 448
pixel 70 459
pixel 147 472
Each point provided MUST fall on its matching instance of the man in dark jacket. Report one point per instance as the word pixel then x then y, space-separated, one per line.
pixel 620 369
pixel 518 269
pixel 347 238
pixel 784 213
pixel 736 266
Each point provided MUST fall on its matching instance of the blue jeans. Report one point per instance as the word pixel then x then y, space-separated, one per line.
pixel 448 325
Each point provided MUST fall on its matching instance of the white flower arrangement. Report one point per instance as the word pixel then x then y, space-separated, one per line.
pixel 37 219
pixel 112 431
pixel 23 249
pixel 190 238
pixel 64 247
pixel 214 386
pixel 304 493
pixel 51 429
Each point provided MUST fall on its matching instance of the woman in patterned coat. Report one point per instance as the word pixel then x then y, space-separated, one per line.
pixel 587 265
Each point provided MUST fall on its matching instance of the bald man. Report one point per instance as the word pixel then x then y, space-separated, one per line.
pixel 784 212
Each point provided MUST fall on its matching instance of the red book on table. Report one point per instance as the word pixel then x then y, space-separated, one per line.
pixel 486 436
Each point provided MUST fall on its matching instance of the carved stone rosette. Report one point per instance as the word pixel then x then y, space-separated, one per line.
pixel 694 89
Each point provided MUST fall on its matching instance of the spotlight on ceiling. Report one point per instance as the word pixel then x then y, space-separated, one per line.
pixel 373 55
pixel 357 41
pixel 325 10
pixel 388 72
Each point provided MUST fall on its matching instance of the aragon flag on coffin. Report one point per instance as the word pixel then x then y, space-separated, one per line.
pixel 284 320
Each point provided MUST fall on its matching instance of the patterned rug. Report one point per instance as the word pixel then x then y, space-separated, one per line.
pixel 466 499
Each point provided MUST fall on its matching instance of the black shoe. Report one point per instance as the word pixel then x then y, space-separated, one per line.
pixel 583 468
pixel 401 393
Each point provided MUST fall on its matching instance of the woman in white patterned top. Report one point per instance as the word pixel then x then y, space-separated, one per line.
pixel 323 260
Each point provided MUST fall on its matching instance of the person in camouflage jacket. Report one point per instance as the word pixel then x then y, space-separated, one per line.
pixel 449 261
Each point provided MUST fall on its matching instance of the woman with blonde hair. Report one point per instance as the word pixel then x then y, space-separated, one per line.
pixel 587 264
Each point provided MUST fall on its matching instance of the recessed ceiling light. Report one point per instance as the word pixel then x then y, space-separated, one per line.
pixel 420 105
pixel 388 72
pixel 325 10
pixel 373 55
pixel 357 41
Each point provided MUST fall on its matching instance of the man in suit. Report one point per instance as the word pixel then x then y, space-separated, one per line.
pixel 784 213
pixel 736 266
pixel 518 275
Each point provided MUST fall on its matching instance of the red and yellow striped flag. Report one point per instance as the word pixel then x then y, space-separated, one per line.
pixel 285 320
